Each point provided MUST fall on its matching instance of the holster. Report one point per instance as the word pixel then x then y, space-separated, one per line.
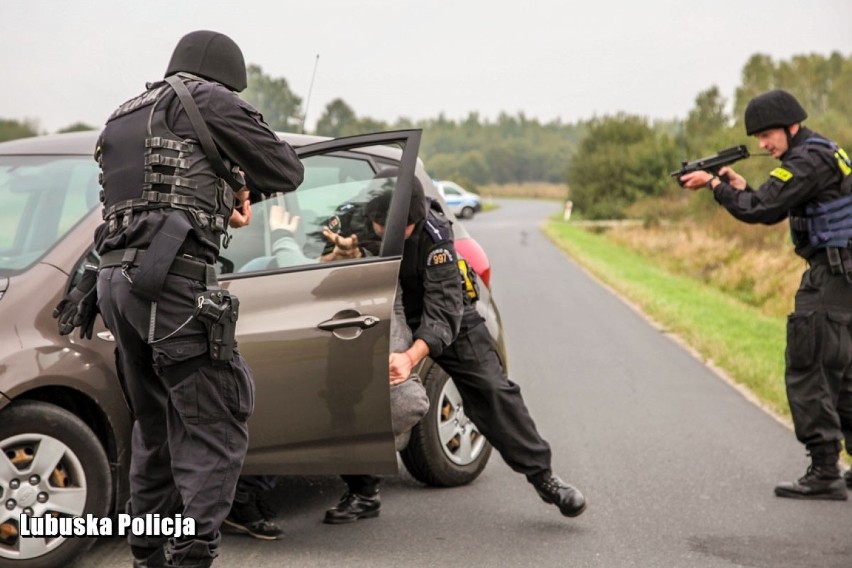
pixel 218 311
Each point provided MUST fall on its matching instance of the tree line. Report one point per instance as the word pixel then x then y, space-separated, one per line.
pixel 609 162
pixel 624 158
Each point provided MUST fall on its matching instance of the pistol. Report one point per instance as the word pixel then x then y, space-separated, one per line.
pixel 713 163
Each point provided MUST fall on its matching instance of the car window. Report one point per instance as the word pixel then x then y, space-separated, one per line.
pixel 333 194
pixel 327 170
pixel 451 191
pixel 41 199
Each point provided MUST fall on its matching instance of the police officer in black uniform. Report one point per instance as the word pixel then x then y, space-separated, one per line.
pixel 172 159
pixel 812 189
pixel 447 327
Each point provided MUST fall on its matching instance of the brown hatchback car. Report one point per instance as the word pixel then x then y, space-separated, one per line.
pixel 315 334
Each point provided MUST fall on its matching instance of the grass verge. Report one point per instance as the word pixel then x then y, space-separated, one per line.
pixel 745 344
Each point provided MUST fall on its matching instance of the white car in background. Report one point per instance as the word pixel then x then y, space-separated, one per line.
pixel 462 202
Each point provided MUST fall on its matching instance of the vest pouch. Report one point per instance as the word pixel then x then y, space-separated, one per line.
pixel 218 311
pixel 149 279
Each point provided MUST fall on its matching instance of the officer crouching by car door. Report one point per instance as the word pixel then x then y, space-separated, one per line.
pixel 171 160
pixel 446 326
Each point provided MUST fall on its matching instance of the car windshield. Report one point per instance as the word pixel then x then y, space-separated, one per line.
pixel 41 199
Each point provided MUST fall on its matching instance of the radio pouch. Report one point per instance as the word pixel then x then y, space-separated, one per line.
pixel 469 280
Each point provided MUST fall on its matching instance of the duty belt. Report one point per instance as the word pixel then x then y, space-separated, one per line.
pixel 838 260
pixel 181 266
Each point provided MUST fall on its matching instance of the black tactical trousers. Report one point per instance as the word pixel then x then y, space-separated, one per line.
pixel 189 434
pixel 819 359
pixel 494 403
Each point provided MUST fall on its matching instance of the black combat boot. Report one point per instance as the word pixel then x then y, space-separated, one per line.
pixel 567 498
pixel 353 507
pixel 253 517
pixel 821 481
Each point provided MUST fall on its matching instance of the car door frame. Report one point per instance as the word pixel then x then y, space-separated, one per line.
pixel 373 452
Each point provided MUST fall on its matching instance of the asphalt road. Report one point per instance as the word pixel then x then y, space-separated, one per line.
pixel 677 466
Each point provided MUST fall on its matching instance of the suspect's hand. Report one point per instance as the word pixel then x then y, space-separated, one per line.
pixel 280 218
pixel 399 368
pixel 344 247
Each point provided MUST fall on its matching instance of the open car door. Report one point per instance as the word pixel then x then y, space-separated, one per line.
pixel 316 332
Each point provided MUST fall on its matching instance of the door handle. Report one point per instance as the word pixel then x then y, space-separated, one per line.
pixel 361 322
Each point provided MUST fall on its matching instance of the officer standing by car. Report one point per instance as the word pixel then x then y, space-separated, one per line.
pixel 447 327
pixel 813 189
pixel 172 159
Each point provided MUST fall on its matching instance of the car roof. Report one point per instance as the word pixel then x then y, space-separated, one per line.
pixel 83 144
pixel 67 144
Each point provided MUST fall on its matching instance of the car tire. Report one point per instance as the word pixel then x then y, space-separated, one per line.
pixel 461 454
pixel 467 213
pixel 51 443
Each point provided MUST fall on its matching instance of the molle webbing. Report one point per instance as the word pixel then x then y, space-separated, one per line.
pixel 827 224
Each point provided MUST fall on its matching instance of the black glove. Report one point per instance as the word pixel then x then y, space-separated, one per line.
pixel 80 306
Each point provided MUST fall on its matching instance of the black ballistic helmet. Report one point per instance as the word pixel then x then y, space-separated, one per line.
pixel 210 55
pixel 377 208
pixel 773 109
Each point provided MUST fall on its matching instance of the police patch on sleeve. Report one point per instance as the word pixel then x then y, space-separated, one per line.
pixel 440 256
pixel 782 174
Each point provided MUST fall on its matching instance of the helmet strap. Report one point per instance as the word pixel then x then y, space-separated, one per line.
pixel 789 137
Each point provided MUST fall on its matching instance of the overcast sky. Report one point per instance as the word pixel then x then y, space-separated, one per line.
pixel 67 61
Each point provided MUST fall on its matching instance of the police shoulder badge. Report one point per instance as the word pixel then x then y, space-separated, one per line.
pixel 782 174
pixel 440 256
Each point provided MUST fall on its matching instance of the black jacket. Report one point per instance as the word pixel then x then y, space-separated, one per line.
pixel 808 174
pixel 432 293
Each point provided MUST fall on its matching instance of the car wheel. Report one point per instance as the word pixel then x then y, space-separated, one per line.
pixel 467 213
pixel 51 464
pixel 445 449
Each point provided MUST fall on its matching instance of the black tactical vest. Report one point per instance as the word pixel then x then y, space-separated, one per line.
pixel 146 166
pixel 827 222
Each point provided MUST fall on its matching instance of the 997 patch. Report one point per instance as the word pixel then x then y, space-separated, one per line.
pixel 439 257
